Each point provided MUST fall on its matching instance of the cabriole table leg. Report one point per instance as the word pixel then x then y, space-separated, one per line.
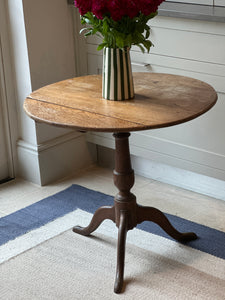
pixel 126 213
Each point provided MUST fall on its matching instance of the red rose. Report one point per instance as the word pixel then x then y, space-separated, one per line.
pixel 115 9
pixel 148 6
pixel 131 8
pixel 83 5
pixel 99 8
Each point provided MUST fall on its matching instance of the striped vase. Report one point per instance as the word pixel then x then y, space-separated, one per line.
pixel 117 74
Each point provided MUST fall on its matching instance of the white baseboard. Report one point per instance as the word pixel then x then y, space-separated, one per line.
pixel 54 159
pixel 179 177
pixel 192 181
pixel 28 162
pixel 170 153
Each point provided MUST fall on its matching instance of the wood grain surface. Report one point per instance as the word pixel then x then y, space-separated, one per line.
pixel 161 100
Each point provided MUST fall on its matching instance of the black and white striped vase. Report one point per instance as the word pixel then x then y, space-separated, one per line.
pixel 117 82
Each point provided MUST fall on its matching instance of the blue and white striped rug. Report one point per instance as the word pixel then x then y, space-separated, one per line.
pixel 50 217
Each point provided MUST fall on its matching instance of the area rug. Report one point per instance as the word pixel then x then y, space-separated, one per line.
pixel 41 258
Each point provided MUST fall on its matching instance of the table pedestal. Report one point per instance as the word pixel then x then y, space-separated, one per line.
pixel 126 213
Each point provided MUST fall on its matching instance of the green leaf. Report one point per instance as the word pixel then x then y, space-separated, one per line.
pixel 87 21
pixel 105 26
pixel 82 30
pixel 147 45
pixel 123 33
pixel 141 47
pixel 101 46
pixel 88 33
pixel 152 15
pixel 147 34
pixel 94 31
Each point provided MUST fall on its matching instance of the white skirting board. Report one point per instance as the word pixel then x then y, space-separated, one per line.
pixel 162 172
pixel 54 159
pixel 67 154
pixel 182 178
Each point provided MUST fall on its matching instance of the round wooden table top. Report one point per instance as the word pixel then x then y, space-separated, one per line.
pixel 161 100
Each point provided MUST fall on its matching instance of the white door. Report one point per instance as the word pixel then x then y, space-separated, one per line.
pixel 4 149
pixel 4 166
pixel 6 153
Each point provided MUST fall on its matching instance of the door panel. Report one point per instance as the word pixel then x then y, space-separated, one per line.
pixel 4 169
pixel 7 96
pixel 4 166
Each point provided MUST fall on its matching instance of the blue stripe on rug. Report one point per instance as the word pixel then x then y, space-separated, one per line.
pixel 210 240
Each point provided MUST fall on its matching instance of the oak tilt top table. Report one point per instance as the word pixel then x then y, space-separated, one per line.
pixel 161 100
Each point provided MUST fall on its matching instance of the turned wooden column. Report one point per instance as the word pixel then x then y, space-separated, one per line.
pixel 124 203
pixel 123 176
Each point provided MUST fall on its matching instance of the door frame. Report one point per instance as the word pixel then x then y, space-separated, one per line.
pixel 7 90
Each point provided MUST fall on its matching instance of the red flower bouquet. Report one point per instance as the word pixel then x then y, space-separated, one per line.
pixel 121 23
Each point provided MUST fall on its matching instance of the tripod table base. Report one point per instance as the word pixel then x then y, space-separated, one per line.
pixel 126 213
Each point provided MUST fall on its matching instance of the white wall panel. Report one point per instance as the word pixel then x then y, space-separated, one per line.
pixel 219 2
pixel 189 48
pixel 202 2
